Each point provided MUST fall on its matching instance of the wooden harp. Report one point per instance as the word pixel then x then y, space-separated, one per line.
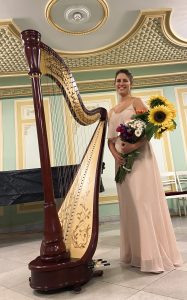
pixel 70 234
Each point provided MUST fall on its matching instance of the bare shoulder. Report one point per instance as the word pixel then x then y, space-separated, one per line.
pixel 139 104
pixel 137 101
pixel 110 113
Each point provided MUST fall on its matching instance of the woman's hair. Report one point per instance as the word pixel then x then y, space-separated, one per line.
pixel 126 72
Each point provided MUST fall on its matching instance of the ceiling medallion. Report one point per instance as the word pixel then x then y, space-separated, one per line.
pixel 76 18
pixel 77 14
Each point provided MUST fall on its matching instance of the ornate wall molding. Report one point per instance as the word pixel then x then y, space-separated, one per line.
pixel 139 82
pixel 150 42
pixel 159 80
pixel 11 49
pixel 96 85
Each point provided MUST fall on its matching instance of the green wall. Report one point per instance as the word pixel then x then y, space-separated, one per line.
pixel 11 220
pixel 9 139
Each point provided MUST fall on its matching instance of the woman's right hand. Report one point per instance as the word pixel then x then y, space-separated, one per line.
pixel 115 152
pixel 119 159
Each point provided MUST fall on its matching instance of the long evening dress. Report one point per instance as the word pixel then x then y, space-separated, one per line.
pixel 147 236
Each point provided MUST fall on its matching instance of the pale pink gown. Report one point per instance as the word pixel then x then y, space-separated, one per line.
pixel 147 236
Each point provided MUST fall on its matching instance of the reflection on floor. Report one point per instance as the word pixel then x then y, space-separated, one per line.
pixel 117 282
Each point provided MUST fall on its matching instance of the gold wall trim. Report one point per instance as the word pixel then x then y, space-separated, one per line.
pixel 29 207
pixel 139 82
pixel 97 85
pixel 25 91
pixel 20 126
pixel 130 66
pixel 108 199
pixel 11 74
pixel 50 20
pixel 11 27
pixel 161 79
pixel 1 139
pixel 181 97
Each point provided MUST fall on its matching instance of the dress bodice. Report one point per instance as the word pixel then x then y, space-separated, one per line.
pixel 118 118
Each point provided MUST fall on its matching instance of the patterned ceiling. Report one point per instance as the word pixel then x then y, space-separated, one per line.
pixel 150 42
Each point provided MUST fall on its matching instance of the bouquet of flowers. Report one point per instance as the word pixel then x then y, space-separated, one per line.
pixel 152 123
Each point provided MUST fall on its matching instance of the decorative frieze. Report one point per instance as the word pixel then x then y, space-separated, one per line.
pixel 96 85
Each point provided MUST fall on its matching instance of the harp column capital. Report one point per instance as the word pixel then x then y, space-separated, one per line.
pixel 32 40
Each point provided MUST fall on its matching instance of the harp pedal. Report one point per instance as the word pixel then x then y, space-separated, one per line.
pixel 97 263
pixel 101 263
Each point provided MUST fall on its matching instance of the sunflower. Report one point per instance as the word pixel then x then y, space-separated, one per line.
pixel 172 126
pixel 157 100
pixel 172 109
pixel 158 134
pixel 160 116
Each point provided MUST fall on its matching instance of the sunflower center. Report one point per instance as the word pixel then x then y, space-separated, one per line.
pixel 159 116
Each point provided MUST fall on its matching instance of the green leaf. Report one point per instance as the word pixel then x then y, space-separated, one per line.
pixel 174 123
pixel 129 161
pixel 143 116
pixel 150 130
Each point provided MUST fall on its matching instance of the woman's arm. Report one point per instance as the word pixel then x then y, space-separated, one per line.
pixel 112 139
pixel 139 106
pixel 127 147
pixel 117 156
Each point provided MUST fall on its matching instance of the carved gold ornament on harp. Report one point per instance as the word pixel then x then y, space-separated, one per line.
pixel 76 212
pixel 50 65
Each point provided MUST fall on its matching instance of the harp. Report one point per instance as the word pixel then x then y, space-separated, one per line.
pixel 71 233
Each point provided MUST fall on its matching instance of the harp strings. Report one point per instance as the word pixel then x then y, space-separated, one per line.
pixel 69 139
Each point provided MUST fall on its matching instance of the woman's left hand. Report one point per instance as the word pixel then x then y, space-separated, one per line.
pixel 127 147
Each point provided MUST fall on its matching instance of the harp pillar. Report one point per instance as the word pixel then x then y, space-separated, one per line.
pixel 52 249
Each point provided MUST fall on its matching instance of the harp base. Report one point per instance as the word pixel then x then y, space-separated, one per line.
pixel 52 276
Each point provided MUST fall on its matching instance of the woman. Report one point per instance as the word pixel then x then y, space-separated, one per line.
pixel 147 236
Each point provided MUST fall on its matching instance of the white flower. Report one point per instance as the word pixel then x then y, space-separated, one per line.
pixel 138 132
pixel 137 124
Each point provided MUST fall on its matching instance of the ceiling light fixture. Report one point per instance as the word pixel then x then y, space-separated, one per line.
pixel 79 14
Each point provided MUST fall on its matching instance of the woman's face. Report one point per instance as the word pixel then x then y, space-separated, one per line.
pixel 122 84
